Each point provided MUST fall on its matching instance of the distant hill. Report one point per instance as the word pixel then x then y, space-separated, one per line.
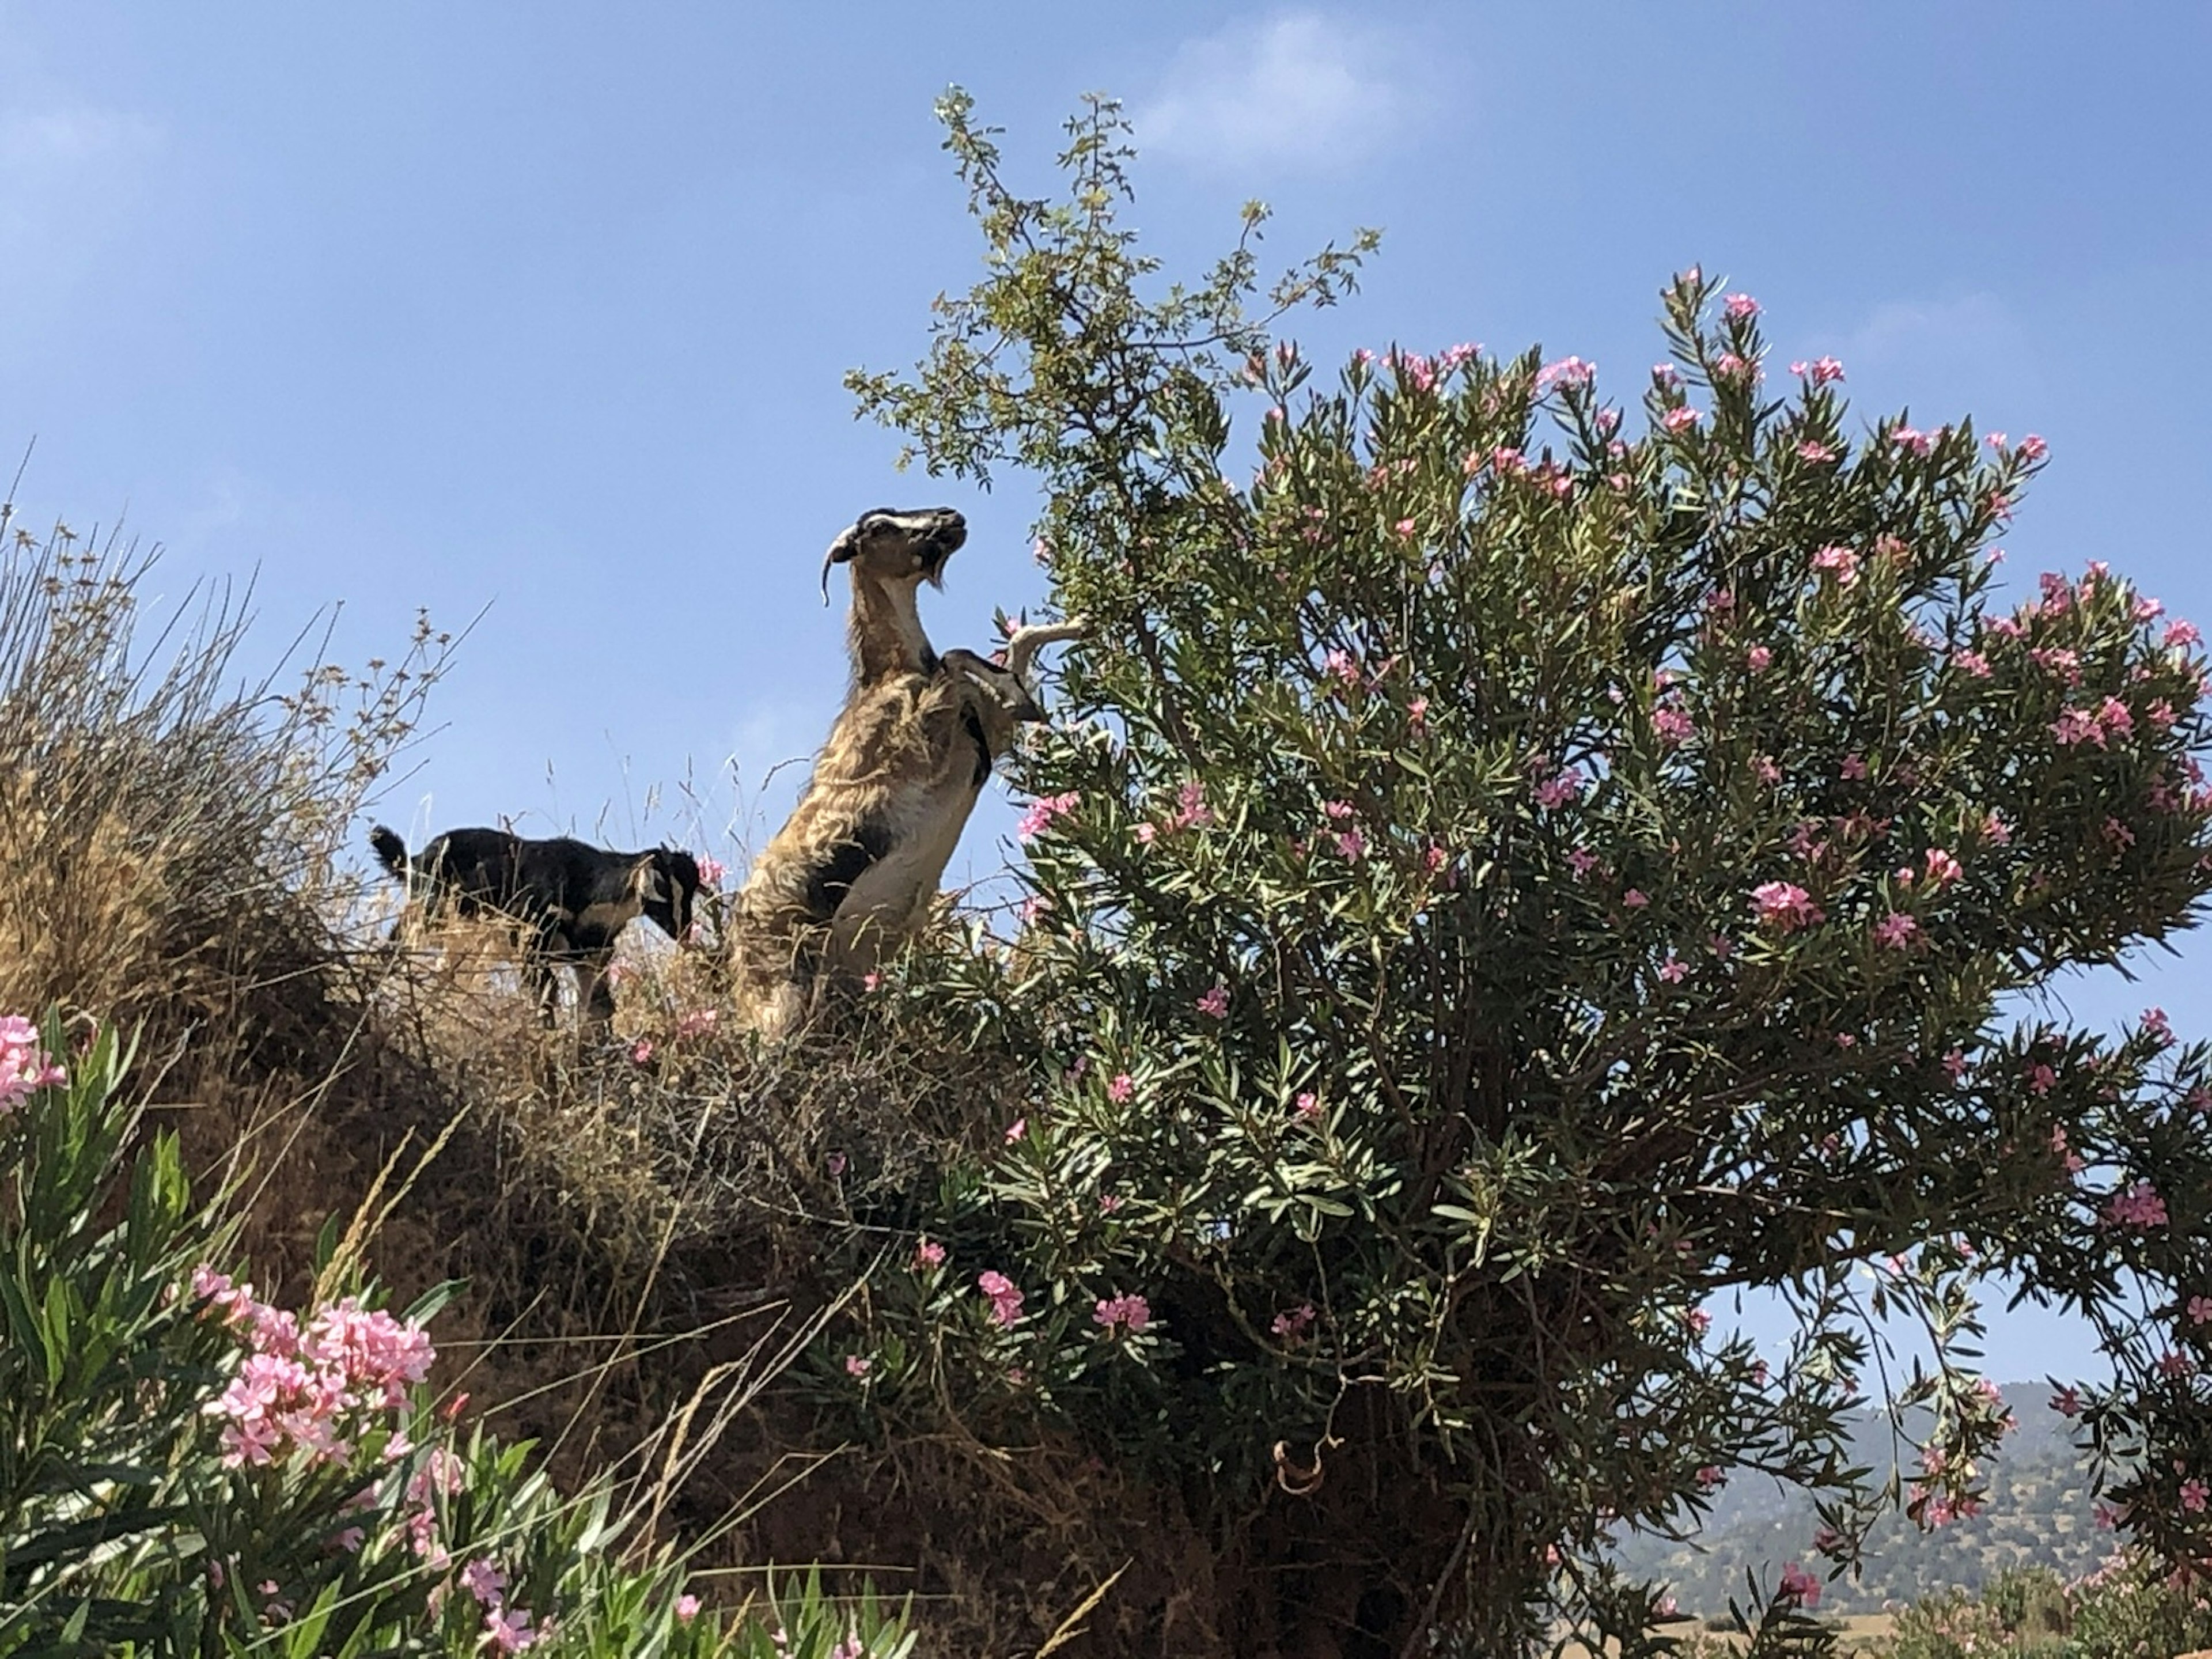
pixel 2038 1515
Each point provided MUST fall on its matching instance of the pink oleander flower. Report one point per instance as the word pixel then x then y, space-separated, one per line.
pixel 1941 868
pixel 1972 663
pixel 858 1364
pixel 2077 725
pixel 2157 1027
pixel 1912 438
pixel 1417 711
pixel 2200 1309
pixel 928 1253
pixel 1764 768
pixel 1673 725
pixel 1815 451
pixel 1016 1130
pixel 2176 1365
pixel 1307 1107
pixel 1562 788
pixel 1121 1088
pixel 25 1066
pixel 1799 1586
pixel 1853 768
pixel 2180 635
pixel 482 1579
pixel 1215 1003
pixel 640 1052
pixel 1819 371
pixel 1666 373
pixel 2139 1206
pixel 1697 1321
pixel 1680 420
pixel 1567 371
pixel 2041 1079
pixel 1635 898
pixel 2194 1492
pixel 506 1632
pixel 1674 970
pixel 1786 905
pixel 1710 1476
pixel 1841 561
pixel 1291 1324
pixel 1006 1298
pixel 2066 1402
pixel 1739 305
pixel 1351 846
pixel 1582 862
pixel 1896 931
pixel 696 1022
pixel 1044 811
pixel 1123 1313
pixel 687 1608
pixel 712 870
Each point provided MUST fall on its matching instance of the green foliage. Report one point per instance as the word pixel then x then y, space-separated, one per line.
pixel 2124 1610
pixel 131 1521
pixel 1506 874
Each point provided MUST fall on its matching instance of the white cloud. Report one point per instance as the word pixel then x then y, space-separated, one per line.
pixel 1300 89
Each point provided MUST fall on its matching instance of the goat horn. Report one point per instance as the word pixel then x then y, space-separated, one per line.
pixel 1025 642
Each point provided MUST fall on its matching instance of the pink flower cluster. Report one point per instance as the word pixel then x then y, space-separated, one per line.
pixel 1673 725
pixel 504 1631
pixel 1841 562
pixel 1042 811
pixel 1819 371
pixel 1006 1297
pixel 1292 1323
pixel 1560 787
pixel 1123 1313
pixel 25 1066
pixel 2140 1205
pixel 711 871
pixel 1896 931
pixel 2110 719
pixel 1567 371
pixel 1799 1585
pixel 1785 906
pixel 295 1389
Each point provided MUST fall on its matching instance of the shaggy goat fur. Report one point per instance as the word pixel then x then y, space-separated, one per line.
pixel 854 869
pixel 569 899
pixel 839 876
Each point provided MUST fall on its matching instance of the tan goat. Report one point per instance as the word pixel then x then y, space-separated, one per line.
pixel 855 868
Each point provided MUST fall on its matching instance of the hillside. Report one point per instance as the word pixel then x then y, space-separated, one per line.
pixel 2038 1515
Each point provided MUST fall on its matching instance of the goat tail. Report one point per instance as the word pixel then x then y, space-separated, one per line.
pixel 391 852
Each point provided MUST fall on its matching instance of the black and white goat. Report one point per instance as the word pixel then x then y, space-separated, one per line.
pixel 569 899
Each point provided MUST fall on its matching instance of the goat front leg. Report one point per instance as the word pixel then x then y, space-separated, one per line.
pixel 595 993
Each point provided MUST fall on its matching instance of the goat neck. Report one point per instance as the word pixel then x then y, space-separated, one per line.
pixel 885 632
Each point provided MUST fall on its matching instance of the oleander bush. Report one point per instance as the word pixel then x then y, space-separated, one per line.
pixel 1511 868
pixel 186 1468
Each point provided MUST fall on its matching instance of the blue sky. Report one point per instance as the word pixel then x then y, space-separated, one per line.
pixel 544 306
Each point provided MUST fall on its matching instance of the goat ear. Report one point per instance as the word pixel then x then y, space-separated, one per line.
pixel 652 885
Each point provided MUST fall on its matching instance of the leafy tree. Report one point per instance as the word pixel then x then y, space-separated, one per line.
pixel 1508 871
